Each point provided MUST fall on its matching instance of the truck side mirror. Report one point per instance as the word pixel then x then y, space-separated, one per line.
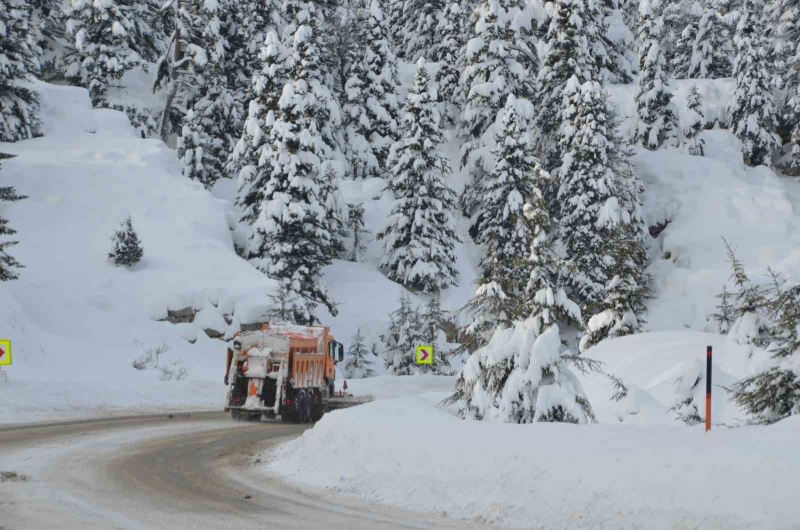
pixel 340 351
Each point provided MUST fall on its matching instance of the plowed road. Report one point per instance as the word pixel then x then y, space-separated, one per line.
pixel 193 471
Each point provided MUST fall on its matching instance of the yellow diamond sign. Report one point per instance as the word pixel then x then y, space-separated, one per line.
pixel 5 352
pixel 425 354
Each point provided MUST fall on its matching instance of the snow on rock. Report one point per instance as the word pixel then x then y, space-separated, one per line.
pixel 409 453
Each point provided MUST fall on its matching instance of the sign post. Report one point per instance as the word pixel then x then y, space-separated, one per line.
pixel 5 356
pixel 425 354
pixel 708 388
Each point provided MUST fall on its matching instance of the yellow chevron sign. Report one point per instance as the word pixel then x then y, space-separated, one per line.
pixel 425 354
pixel 5 352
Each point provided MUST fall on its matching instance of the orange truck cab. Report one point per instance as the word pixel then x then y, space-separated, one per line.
pixel 282 370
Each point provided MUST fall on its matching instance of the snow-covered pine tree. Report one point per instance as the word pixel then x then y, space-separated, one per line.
pixel 504 231
pixel 359 360
pixel 788 30
pixel 248 23
pixel 419 238
pixel 695 123
pixel 600 219
pixel 213 118
pixel 749 301
pixel 683 53
pixel 724 316
pixel 253 152
pixel 615 58
pixel 8 264
pixel 292 228
pixel 19 105
pixel 403 334
pixel 573 37
pixel 499 61
pixel 419 37
pixel 523 374
pixel 101 45
pixel 774 393
pixel 370 105
pixel 451 30
pixel 380 89
pixel 355 226
pixel 657 121
pixel 752 112
pixel 711 51
pixel 126 249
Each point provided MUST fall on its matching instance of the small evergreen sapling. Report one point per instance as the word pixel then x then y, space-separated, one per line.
pixel 724 316
pixel 693 142
pixel 359 362
pixel 355 225
pixel 8 265
pixel 126 250
pixel 404 333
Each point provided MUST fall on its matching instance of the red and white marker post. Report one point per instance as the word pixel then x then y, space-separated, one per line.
pixel 708 388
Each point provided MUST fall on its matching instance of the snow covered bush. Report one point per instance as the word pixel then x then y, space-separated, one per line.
pixel 19 105
pixel 687 387
pixel 126 250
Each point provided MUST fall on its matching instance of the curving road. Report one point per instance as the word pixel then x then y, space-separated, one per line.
pixel 192 471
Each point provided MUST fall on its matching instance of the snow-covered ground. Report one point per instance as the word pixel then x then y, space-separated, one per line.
pixel 409 453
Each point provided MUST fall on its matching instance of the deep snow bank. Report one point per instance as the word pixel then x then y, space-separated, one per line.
pixel 407 452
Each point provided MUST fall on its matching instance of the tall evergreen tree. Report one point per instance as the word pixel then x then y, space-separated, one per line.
pixel 752 111
pixel 419 238
pixel 419 37
pixel 711 51
pixel 694 120
pixel 19 105
pixel 788 32
pixel 252 155
pixel 573 38
pixel 615 58
pixel 523 374
pixel 504 231
pixel 213 118
pixel 355 225
pixel 451 30
pixel 600 219
pixel 292 227
pixel 681 62
pixel 372 106
pixel 8 265
pixel 657 122
pixel 499 62
pixel 103 44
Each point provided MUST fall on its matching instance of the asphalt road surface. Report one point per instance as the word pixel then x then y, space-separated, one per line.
pixel 192 471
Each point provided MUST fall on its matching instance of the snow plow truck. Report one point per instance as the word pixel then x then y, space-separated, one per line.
pixel 284 370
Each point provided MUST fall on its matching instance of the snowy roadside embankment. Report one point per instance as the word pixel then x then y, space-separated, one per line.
pixel 408 453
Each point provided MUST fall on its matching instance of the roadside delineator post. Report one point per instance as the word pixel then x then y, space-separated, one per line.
pixel 708 388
